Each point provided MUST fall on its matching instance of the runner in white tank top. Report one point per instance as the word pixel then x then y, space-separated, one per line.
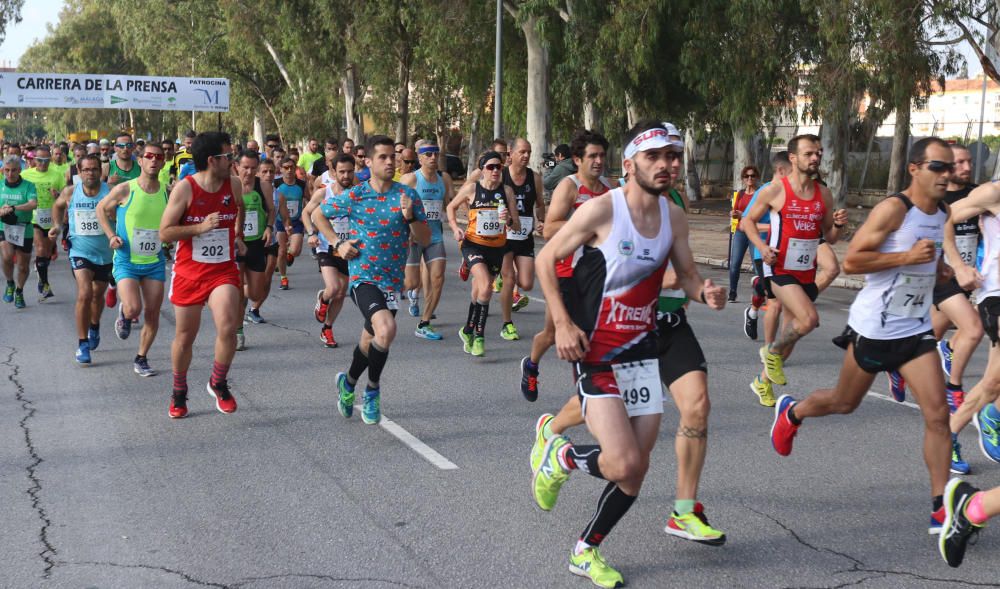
pixel 609 333
pixel 899 250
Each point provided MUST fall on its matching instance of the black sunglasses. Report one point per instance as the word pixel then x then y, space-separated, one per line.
pixel 938 166
pixel 750 176
pixel 410 162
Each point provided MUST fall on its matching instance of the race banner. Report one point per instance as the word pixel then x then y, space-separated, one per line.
pixel 24 90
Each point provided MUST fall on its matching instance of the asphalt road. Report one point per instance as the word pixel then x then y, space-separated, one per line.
pixel 100 488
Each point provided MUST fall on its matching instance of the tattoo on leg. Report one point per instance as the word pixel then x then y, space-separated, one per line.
pixel 691 432
pixel 787 337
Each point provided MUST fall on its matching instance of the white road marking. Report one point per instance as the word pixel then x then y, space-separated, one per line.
pixel 429 454
pixel 889 398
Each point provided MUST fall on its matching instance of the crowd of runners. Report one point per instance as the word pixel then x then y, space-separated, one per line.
pixel 616 271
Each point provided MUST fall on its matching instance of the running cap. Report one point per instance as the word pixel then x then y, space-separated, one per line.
pixel 652 138
pixel 672 132
pixel 105 142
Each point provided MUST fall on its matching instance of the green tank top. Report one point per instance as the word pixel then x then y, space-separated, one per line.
pixel 45 182
pixel 672 299
pixel 138 224
pixel 127 175
pixel 254 214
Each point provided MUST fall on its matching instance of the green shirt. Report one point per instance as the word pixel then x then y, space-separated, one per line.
pixel 45 182
pixel 124 176
pixel 138 224
pixel 18 194
pixel 672 299
pixel 306 160
pixel 165 173
pixel 254 214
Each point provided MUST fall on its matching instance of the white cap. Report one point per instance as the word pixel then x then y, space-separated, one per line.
pixel 654 138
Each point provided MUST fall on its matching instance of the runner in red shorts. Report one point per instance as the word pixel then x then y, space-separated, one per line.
pixel 205 218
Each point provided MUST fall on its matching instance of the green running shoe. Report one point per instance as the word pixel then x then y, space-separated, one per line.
pixel 345 404
pixel 8 294
pixel 498 284
pixel 550 475
pixel 774 367
pixel 509 332
pixel 19 300
pixel 764 391
pixel 539 446
pixel 520 301
pixel 590 564
pixel 478 346
pixel 466 340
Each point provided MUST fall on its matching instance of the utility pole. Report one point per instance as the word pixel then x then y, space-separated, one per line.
pixel 498 80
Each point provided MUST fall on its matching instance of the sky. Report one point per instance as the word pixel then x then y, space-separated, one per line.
pixel 35 15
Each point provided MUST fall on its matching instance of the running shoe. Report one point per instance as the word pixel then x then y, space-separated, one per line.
pixel 178 406
pixel 241 340
pixel 694 526
pixel 290 259
pixel 989 433
pixel 326 336
pixel 955 398
pixel 19 299
pixel 123 327
pixel 345 402
pixel 371 411
pixel 319 311
pixel 83 354
pixel 253 315
pixel 756 300
pixel 224 399
pixel 414 306
pixel 529 380
pixel 427 332
pixel 764 391
pixel 774 368
pixel 591 564
pixel 466 340
pixel 520 301
pixel 283 285
pixel 463 271
pixel 111 297
pixel 549 477
pixel 46 292
pixel 509 332
pixel 958 466
pixel 8 294
pixel 946 353
pixel 498 283
pixel 141 367
pixel 539 446
pixel 93 338
pixel 749 324
pixel 937 520
pixel 40 287
pixel 897 386
pixel 478 346
pixel 732 296
pixel 957 529
pixel 783 430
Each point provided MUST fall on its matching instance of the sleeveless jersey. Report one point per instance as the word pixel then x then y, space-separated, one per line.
pixel 564 267
pixel 138 224
pixel 327 179
pixel 125 175
pixel 795 232
pixel 432 195
pixel 526 196
pixel 485 227
pixel 672 299
pixel 990 267
pixel 966 232
pixel 339 221
pixel 293 194
pixel 206 256
pixel 86 238
pixel 895 303
pixel 618 281
pixel 254 213
pixel 45 182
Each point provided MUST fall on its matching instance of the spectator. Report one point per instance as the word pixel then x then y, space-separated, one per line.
pixel 738 248
pixel 564 167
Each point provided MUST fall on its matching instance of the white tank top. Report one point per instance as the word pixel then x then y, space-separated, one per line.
pixel 991 256
pixel 895 303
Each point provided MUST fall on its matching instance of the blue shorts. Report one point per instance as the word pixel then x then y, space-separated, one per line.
pixel 297 227
pixel 124 270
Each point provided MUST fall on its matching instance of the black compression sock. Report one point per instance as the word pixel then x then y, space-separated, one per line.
pixel 585 458
pixel 937 502
pixel 358 366
pixel 612 505
pixel 376 362
pixel 484 312
pixel 42 266
pixel 470 324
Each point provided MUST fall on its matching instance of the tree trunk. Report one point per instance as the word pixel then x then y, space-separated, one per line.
pixel 473 154
pixel 692 182
pixel 538 92
pixel 281 66
pixel 591 118
pixel 403 99
pixel 900 147
pixel 258 125
pixel 349 83
pixel 743 155
pixel 631 110
pixel 833 140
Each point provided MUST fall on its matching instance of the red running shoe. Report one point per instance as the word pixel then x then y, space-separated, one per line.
pixel 284 283
pixel 321 307
pixel 463 271
pixel 326 336
pixel 290 259
pixel 178 406
pixel 111 297
pixel 783 431
pixel 224 400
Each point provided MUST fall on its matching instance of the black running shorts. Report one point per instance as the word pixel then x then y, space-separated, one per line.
pixel 878 355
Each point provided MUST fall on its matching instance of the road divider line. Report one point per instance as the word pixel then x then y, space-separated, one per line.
pixel 426 452
pixel 888 398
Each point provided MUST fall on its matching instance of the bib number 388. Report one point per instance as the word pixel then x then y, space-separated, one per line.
pixel 640 387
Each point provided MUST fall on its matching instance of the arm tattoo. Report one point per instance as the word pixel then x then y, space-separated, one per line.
pixel 691 432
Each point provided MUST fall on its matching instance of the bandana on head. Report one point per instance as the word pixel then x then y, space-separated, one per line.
pixel 489 155
pixel 428 149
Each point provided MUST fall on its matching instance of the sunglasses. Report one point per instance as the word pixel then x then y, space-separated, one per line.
pixel 410 162
pixel 86 170
pixel 228 156
pixel 272 145
pixel 43 160
pixel 105 149
pixel 938 166
pixel 492 167
pixel 750 176
pixel 153 156
pixel 124 145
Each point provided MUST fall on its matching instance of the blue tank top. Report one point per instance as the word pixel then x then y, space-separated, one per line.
pixel 432 195
pixel 86 238
pixel 293 197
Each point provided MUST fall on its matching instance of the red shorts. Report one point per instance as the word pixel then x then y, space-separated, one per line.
pixel 185 293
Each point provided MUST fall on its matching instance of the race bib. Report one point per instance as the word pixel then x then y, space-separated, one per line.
pixel 432 208
pixel 145 242
pixel 801 254
pixel 251 222
pixel 488 222
pixel 912 295
pixel 14 234
pixel 527 226
pixel 640 387
pixel 44 217
pixel 211 247
pixel 342 227
pixel 390 299
pixel 86 222
pixel 293 208
pixel 967 245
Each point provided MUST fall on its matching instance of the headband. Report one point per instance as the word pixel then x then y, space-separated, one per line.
pixel 489 155
pixel 428 149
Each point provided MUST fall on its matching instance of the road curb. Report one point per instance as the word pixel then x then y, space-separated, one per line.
pixel 850 282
